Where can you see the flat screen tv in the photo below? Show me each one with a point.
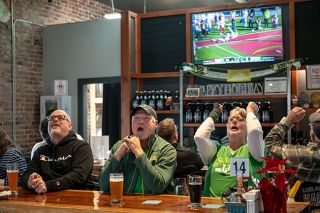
(238, 36)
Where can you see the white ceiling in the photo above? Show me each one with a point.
(161, 5)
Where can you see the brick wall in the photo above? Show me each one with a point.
(29, 59)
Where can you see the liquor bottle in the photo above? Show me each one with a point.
(168, 102)
(240, 188)
(160, 101)
(144, 99)
(135, 100)
(176, 101)
(259, 114)
(189, 113)
(266, 113)
(197, 113)
(152, 100)
(225, 112)
(206, 111)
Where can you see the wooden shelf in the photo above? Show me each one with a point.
(239, 97)
(167, 112)
(155, 75)
(223, 124)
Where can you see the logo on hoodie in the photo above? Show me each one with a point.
(46, 158)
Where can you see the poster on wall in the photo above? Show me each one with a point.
(313, 76)
(60, 87)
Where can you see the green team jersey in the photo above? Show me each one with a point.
(218, 177)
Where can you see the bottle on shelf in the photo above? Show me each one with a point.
(168, 100)
(189, 113)
(266, 113)
(176, 101)
(206, 111)
(160, 101)
(225, 112)
(135, 100)
(144, 99)
(152, 100)
(197, 113)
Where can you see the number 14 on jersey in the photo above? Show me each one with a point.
(239, 167)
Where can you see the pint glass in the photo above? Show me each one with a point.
(13, 175)
(116, 188)
(195, 189)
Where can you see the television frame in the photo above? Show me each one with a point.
(240, 61)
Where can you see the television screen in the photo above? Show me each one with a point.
(238, 36)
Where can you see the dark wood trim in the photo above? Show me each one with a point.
(155, 75)
(292, 37)
(213, 8)
(169, 112)
(125, 72)
(188, 37)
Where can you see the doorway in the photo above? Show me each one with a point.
(99, 108)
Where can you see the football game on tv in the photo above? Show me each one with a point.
(238, 36)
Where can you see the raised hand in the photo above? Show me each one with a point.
(135, 145)
(296, 114)
(122, 150)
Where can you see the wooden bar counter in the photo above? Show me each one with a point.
(94, 201)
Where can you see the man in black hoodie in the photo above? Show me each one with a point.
(64, 162)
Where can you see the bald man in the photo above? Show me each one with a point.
(64, 162)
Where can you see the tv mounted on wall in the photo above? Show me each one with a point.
(238, 36)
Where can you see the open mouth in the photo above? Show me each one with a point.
(140, 129)
(234, 128)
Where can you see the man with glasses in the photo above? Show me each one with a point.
(63, 162)
(145, 159)
(246, 141)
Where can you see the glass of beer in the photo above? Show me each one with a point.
(195, 189)
(13, 175)
(116, 188)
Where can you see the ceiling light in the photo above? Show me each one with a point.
(113, 15)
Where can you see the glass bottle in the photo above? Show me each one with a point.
(160, 101)
(135, 100)
(225, 112)
(206, 111)
(197, 113)
(189, 113)
(176, 101)
(152, 100)
(168, 102)
(266, 113)
(144, 99)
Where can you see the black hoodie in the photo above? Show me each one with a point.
(63, 166)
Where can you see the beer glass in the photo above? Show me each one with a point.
(195, 189)
(116, 188)
(13, 175)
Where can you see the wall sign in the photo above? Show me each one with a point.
(60, 87)
(313, 76)
(276, 85)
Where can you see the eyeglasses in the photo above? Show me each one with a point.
(59, 117)
(237, 119)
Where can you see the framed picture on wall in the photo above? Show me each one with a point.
(313, 77)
